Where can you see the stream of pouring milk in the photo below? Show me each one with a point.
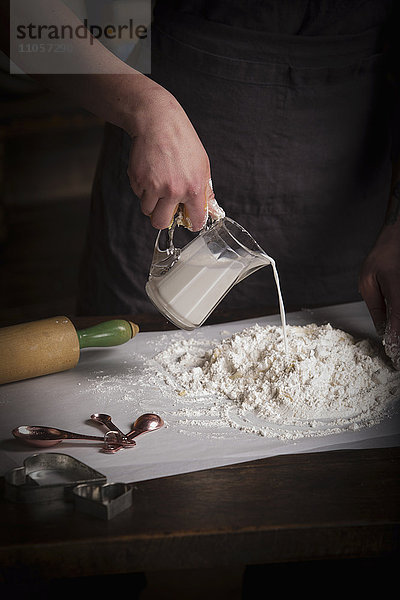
(281, 305)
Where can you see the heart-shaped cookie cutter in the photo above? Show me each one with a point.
(48, 476)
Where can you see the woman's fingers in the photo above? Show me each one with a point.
(391, 338)
(163, 213)
(196, 206)
(385, 314)
(148, 202)
(379, 286)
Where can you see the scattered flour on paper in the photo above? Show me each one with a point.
(327, 383)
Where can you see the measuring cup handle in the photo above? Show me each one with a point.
(163, 260)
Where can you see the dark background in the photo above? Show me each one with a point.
(48, 154)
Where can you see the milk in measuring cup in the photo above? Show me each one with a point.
(191, 290)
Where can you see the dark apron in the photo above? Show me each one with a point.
(296, 128)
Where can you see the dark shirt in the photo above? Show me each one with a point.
(291, 17)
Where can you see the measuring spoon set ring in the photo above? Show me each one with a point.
(113, 440)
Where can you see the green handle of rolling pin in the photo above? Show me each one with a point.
(109, 333)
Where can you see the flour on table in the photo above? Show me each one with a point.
(327, 383)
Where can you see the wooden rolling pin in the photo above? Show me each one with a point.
(53, 345)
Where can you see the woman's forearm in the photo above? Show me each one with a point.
(88, 73)
(118, 99)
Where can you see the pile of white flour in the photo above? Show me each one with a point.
(327, 382)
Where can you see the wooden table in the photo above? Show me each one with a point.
(285, 509)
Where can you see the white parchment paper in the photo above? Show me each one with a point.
(66, 400)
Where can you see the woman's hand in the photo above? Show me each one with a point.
(379, 285)
(168, 164)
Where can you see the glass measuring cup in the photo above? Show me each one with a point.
(187, 284)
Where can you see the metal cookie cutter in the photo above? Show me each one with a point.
(46, 477)
(51, 476)
(103, 501)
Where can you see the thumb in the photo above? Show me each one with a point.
(214, 209)
(391, 340)
(375, 301)
(210, 207)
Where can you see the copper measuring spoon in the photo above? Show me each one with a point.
(37, 435)
(143, 424)
(106, 420)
